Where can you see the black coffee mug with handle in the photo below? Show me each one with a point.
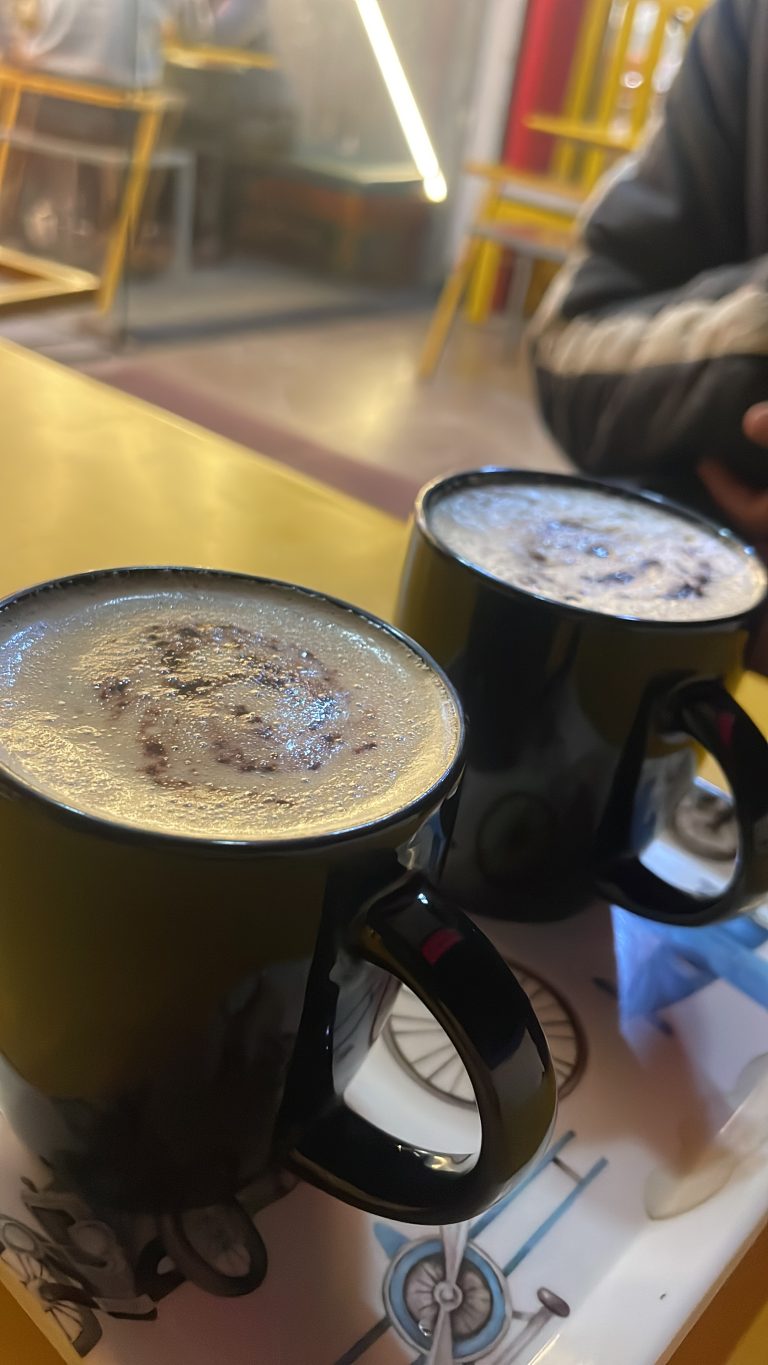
(582, 729)
(181, 1015)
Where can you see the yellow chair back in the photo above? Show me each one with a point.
(624, 60)
(627, 54)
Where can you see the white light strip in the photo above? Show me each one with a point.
(403, 103)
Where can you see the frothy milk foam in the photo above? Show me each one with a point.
(598, 550)
(202, 706)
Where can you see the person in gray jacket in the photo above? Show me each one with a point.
(650, 350)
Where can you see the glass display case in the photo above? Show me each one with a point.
(281, 154)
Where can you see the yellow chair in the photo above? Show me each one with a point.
(629, 50)
(29, 280)
(617, 72)
(207, 57)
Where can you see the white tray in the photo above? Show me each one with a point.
(660, 1047)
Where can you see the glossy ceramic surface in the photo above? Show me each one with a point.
(101, 472)
(581, 730)
(568, 1268)
(179, 1018)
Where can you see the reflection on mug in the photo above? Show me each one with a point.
(595, 637)
(219, 820)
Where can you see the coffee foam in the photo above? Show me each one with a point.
(595, 549)
(201, 706)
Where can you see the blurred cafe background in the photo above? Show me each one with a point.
(316, 226)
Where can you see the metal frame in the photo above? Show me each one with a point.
(59, 280)
(532, 216)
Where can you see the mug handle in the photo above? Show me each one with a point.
(705, 711)
(440, 954)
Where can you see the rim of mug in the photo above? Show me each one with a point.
(122, 830)
(489, 473)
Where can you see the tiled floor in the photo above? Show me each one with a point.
(344, 384)
(350, 387)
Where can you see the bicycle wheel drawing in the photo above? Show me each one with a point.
(705, 823)
(425, 1052)
(412, 1290)
(36, 1263)
(562, 1029)
(216, 1248)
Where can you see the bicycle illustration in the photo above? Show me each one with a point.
(80, 1260)
(424, 1051)
(78, 1264)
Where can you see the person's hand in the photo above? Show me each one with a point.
(756, 424)
(743, 505)
(746, 508)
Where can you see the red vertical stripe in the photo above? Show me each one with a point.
(544, 65)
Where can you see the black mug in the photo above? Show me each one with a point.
(180, 1016)
(581, 735)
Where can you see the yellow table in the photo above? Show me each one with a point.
(91, 478)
